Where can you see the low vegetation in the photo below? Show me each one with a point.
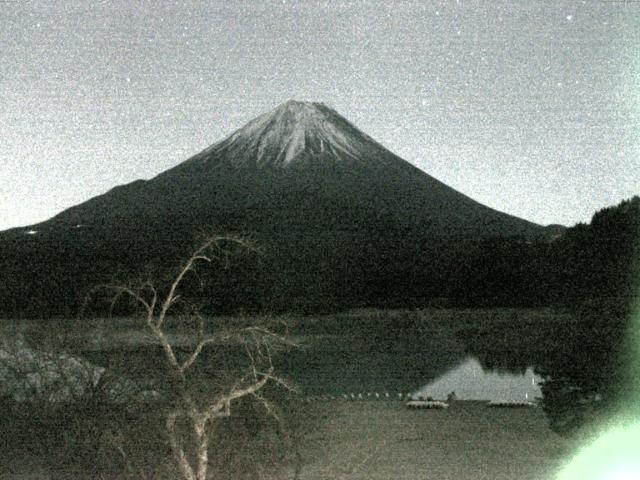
(198, 419)
(213, 381)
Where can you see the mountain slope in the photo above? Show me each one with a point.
(305, 148)
(341, 220)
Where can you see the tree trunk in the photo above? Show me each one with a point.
(200, 427)
(178, 450)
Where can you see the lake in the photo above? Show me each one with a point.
(479, 354)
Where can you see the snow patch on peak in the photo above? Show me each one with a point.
(293, 130)
(296, 145)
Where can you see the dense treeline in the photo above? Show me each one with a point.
(585, 375)
(582, 264)
(588, 376)
(346, 256)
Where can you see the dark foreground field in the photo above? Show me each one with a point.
(385, 440)
(392, 351)
(468, 441)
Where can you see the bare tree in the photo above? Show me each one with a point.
(197, 413)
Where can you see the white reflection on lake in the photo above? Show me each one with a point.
(470, 382)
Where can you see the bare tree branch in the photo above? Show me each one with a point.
(224, 403)
(199, 254)
(258, 342)
(200, 346)
(122, 290)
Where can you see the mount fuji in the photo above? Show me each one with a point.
(341, 220)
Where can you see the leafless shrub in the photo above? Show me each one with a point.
(194, 411)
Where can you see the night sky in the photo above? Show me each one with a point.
(530, 107)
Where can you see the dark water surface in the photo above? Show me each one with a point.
(430, 359)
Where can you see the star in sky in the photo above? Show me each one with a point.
(397, 73)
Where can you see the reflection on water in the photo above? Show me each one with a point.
(471, 382)
(382, 360)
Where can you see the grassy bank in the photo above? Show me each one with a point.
(468, 441)
(383, 440)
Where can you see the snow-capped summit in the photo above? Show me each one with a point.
(295, 131)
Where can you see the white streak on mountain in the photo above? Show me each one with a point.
(293, 131)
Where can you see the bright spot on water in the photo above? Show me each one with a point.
(31, 232)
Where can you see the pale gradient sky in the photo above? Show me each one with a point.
(530, 107)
